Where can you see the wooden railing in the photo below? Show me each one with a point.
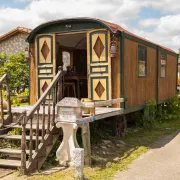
(42, 108)
(4, 85)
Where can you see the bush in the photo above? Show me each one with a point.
(17, 69)
(153, 113)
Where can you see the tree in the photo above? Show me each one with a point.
(18, 71)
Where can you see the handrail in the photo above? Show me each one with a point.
(46, 92)
(47, 121)
(4, 79)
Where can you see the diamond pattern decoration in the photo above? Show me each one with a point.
(45, 86)
(45, 50)
(99, 89)
(98, 47)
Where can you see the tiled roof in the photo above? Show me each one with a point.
(14, 31)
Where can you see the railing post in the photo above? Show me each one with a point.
(1, 110)
(43, 123)
(23, 146)
(30, 140)
(37, 130)
(49, 114)
(54, 104)
(8, 96)
(59, 93)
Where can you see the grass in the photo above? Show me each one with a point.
(139, 141)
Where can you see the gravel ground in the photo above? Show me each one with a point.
(5, 172)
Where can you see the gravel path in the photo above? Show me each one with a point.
(161, 162)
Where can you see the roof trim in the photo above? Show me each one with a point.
(114, 28)
(15, 31)
(41, 26)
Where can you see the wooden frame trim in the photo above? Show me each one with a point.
(106, 41)
(45, 73)
(39, 78)
(107, 85)
(94, 67)
(38, 54)
(177, 73)
(122, 105)
(157, 75)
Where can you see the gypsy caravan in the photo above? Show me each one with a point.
(103, 60)
(83, 58)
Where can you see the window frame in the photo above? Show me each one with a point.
(145, 49)
(165, 58)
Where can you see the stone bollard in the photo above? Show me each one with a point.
(78, 163)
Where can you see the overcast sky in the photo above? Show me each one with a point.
(156, 20)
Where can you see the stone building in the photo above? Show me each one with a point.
(14, 41)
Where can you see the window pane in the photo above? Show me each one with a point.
(163, 65)
(142, 61)
(66, 60)
(163, 71)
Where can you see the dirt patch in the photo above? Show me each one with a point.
(5, 172)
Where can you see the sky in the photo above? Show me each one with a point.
(155, 20)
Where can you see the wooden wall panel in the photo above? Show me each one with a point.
(115, 66)
(33, 76)
(138, 89)
(167, 85)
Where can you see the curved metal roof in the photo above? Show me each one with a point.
(114, 28)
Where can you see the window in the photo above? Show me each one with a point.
(163, 64)
(142, 61)
(66, 60)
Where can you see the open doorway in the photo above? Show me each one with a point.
(71, 53)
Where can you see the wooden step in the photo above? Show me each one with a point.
(14, 125)
(17, 137)
(10, 163)
(13, 151)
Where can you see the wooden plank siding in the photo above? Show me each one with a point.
(167, 85)
(137, 90)
(33, 82)
(115, 66)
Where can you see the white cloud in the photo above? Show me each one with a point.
(166, 33)
(149, 22)
(167, 28)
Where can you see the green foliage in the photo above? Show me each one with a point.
(15, 131)
(15, 101)
(153, 113)
(147, 117)
(17, 69)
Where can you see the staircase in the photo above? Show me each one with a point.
(38, 131)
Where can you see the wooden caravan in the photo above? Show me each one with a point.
(101, 61)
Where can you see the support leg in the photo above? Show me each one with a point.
(86, 144)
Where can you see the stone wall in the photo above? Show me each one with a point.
(14, 44)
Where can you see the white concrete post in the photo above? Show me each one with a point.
(78, 162)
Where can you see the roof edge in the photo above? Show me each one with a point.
(15, 31)
(34, 31)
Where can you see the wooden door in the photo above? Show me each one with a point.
(99, 64)
(46, 61)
